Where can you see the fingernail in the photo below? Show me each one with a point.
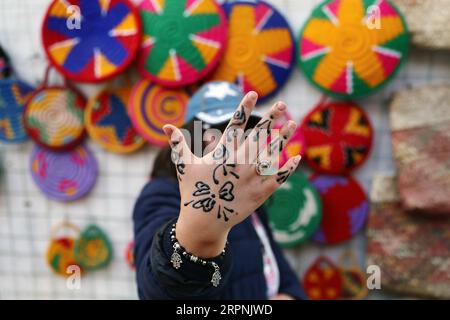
(297, 159)
(281, 106)
(252, 95)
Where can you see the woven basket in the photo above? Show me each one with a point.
(260, 54)
(14, 95)
(101, 45)
(345, 51)
(338, 137)
(64, 176)
(59, 254)
(152, 106)
(183, 40)
(54, 116)
(108, 123)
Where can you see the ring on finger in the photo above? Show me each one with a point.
(264, 168)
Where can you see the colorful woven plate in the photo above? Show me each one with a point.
(215, 102)
(261, 52)
(344, 208)
(13, 97)
(93, 249)
(151, 107)
(294, 211)
(60, 249)
(91, 40)
(108, 124)
(54, 118)
(183, 40)
(338, 137)
(64, 176)
(346, 52)
(323, 280)
(5, 67)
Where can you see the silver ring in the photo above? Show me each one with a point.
(263, 168)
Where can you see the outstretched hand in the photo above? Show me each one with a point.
(229, 183)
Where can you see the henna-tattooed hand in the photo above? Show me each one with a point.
(223, 188)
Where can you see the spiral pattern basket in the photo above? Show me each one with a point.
(13, 97)
(260, 53)
(64, 176)
(338, 137)
(108, 123)
(344, 208)
(5, 67)
(294, 211)
(54, 118)
(93, 249)
(151, 107)
(350, 48)
(91, 40)
(183, 40)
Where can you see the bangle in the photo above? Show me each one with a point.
(177, 261)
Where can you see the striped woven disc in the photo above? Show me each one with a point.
(151, 107)
(54, 118)
(260, 53)
(64, 176)
(183, 40)
(350, 48)
(108, 124)
(91, 40)
(344, 208)
(13, 97)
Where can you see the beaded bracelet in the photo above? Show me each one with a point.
(176, 258)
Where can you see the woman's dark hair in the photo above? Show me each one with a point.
(164, 166)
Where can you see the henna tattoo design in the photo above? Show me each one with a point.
(282, 176)
(226, 168)
(176, 157)
(221, 153)
(277, 143)
(207, 199)
(239, 117)
(266, 124)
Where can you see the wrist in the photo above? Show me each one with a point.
(201, 240)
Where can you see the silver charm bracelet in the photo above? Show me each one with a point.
(178, 250)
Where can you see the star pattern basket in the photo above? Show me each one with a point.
(91, 40)
(338, 137)
(351, 48)
(108, 123)
(183, 40)
(261, 49)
